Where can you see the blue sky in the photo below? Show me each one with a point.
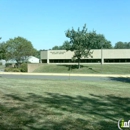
(44, 22)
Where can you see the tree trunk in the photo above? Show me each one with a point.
(79, 63)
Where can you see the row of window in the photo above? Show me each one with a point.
(87, 61)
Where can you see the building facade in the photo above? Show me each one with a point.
(99, 56)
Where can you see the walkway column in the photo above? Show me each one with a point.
(47, 56)
(102, 59)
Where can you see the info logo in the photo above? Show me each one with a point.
(122, 124)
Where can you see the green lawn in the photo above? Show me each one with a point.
(85, 69)
(62, 105)
(2, 67)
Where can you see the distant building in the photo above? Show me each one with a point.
(30, 59)
(3, 62)
(104, 56)
(12, 61)
(33, 59)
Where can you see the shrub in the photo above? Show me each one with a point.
(8, 65)
(16, 70)
(10, 69)
(7, 69)
(23, 67)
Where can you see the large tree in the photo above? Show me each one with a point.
(56, 48)
(120, 45)
(128, 45)
(100, 42)
(80, 42)
(62, 47)
(2, 51)
(19, 49)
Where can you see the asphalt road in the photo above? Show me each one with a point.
(53, 77)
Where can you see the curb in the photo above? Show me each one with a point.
(67, 74)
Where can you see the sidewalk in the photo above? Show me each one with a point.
(68, 74)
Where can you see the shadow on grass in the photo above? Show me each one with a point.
(75, 67)
(72, 67)
(121, 79)
(62, 112)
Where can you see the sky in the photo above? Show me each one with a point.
(44, 22)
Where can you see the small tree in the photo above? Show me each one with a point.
(80, 42)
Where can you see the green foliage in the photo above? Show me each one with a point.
(128, 45)
(37, 53)
(19, 48)
(2, 50)
(23, 67)
(65, 46)
(56, 48)
(122, 45)
(101, 42)
(0, 63)
(17, 67)
(8, 65)
(12, 69)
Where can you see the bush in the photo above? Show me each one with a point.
(8, 65)
(10, 69)
(23, 67)
(16, 70)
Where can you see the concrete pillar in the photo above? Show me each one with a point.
(47, 56)
(102, 59)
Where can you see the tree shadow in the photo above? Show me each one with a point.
(72, 67)
(40, 112)
(120, 79)
(75, 67)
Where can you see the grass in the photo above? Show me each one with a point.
(2, 67)
(85, 69)
(63, 105)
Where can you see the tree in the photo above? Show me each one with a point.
(55, 48)
(101, 42)
(128, 45)
(120, 45)
(19, 49)
(80, 42)
(66, 45)
(37, 53)
(63, 47)
(2, 50)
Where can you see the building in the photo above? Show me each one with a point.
(33, 59)
(3, 62)
(104, 56)
(30, 59)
